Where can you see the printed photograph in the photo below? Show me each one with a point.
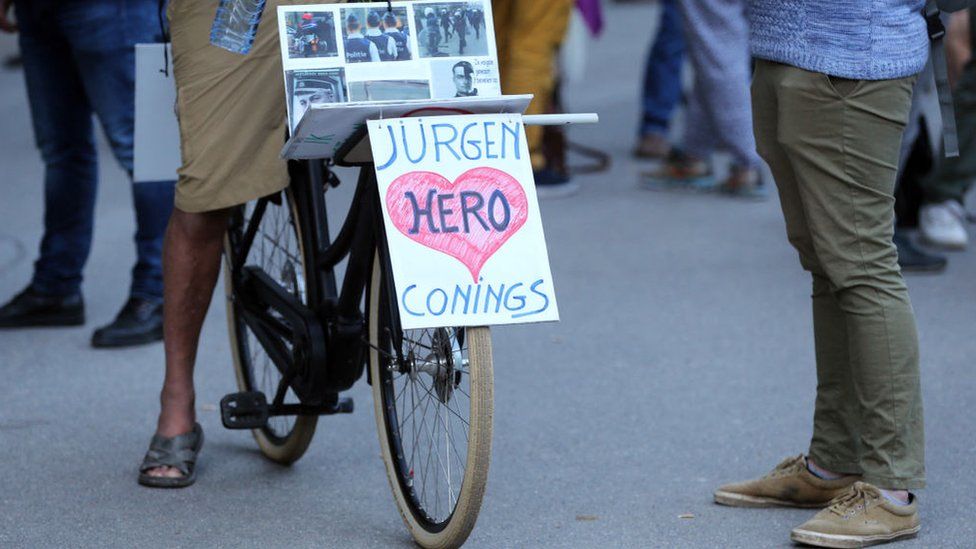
(307, 88)
(464, 78)
(389, 90)
(452, 78)
(311, 34)
(375, 35)
(451, 29)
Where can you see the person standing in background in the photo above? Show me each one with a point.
(391, 27)
(359, 49)
(433, 34)
(942, 218)
(662, 84)
(529, 34)
(461, 30)
(446, 24)
(831, 97)
(386, 45)
(718, 118)
(477, 17)
(918, 156)
(79, 61)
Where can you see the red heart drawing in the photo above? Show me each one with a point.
(468, 219)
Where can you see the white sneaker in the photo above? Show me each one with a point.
(944, 224)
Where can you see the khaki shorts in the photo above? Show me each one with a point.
(231, 110)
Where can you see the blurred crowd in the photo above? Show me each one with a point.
(695, 102)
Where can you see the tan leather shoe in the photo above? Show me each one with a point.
(790, 484)
(860, 517)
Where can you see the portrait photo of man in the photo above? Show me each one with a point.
(464, 79)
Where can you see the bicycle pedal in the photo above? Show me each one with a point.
(345, 405)
(246, 410)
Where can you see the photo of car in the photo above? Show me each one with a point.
(389, 90)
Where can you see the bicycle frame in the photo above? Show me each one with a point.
(329, 339)
(329, 333)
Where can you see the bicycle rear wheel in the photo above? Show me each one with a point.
(434, 417)
(278, 251)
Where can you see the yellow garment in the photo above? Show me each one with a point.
(529, 33)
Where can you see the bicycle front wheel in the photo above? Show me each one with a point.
(433, 412)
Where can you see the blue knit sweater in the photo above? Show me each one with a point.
(860, 39)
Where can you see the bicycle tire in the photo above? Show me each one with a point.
(425, 524)
(278, 445)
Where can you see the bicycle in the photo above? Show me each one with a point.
(295, 336)
(298, 341)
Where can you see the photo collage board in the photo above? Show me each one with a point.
(368, 52)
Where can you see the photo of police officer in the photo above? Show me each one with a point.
(307, 88)
(375, 35)
(311, 34)
(395, 26)
(451, 29)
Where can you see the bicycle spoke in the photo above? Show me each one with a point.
(432, 407)
(417, 344)
(271, 244)
(433, 396)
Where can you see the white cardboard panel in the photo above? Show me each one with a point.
(157, 134)
(325, 128)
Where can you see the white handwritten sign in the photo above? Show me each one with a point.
(462, 221)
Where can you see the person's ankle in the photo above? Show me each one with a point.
(820, 472)
(177, 413)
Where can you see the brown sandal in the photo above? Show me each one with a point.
(179, 452)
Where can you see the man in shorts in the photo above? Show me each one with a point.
(231, 110)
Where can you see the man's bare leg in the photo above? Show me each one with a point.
(191, 264)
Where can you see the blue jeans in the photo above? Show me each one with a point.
(662, 78)
(79, 60)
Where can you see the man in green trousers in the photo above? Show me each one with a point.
(831, 95)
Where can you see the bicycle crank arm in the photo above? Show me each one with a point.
(344, 405)
(305, 367)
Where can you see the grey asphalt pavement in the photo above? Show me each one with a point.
(684, 359)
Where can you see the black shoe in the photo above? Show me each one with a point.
(915, 260)
(140, 321)
(31, 309)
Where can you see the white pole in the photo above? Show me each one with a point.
(560, 119)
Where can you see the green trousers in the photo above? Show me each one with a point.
(833, 146)
(952, 179)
